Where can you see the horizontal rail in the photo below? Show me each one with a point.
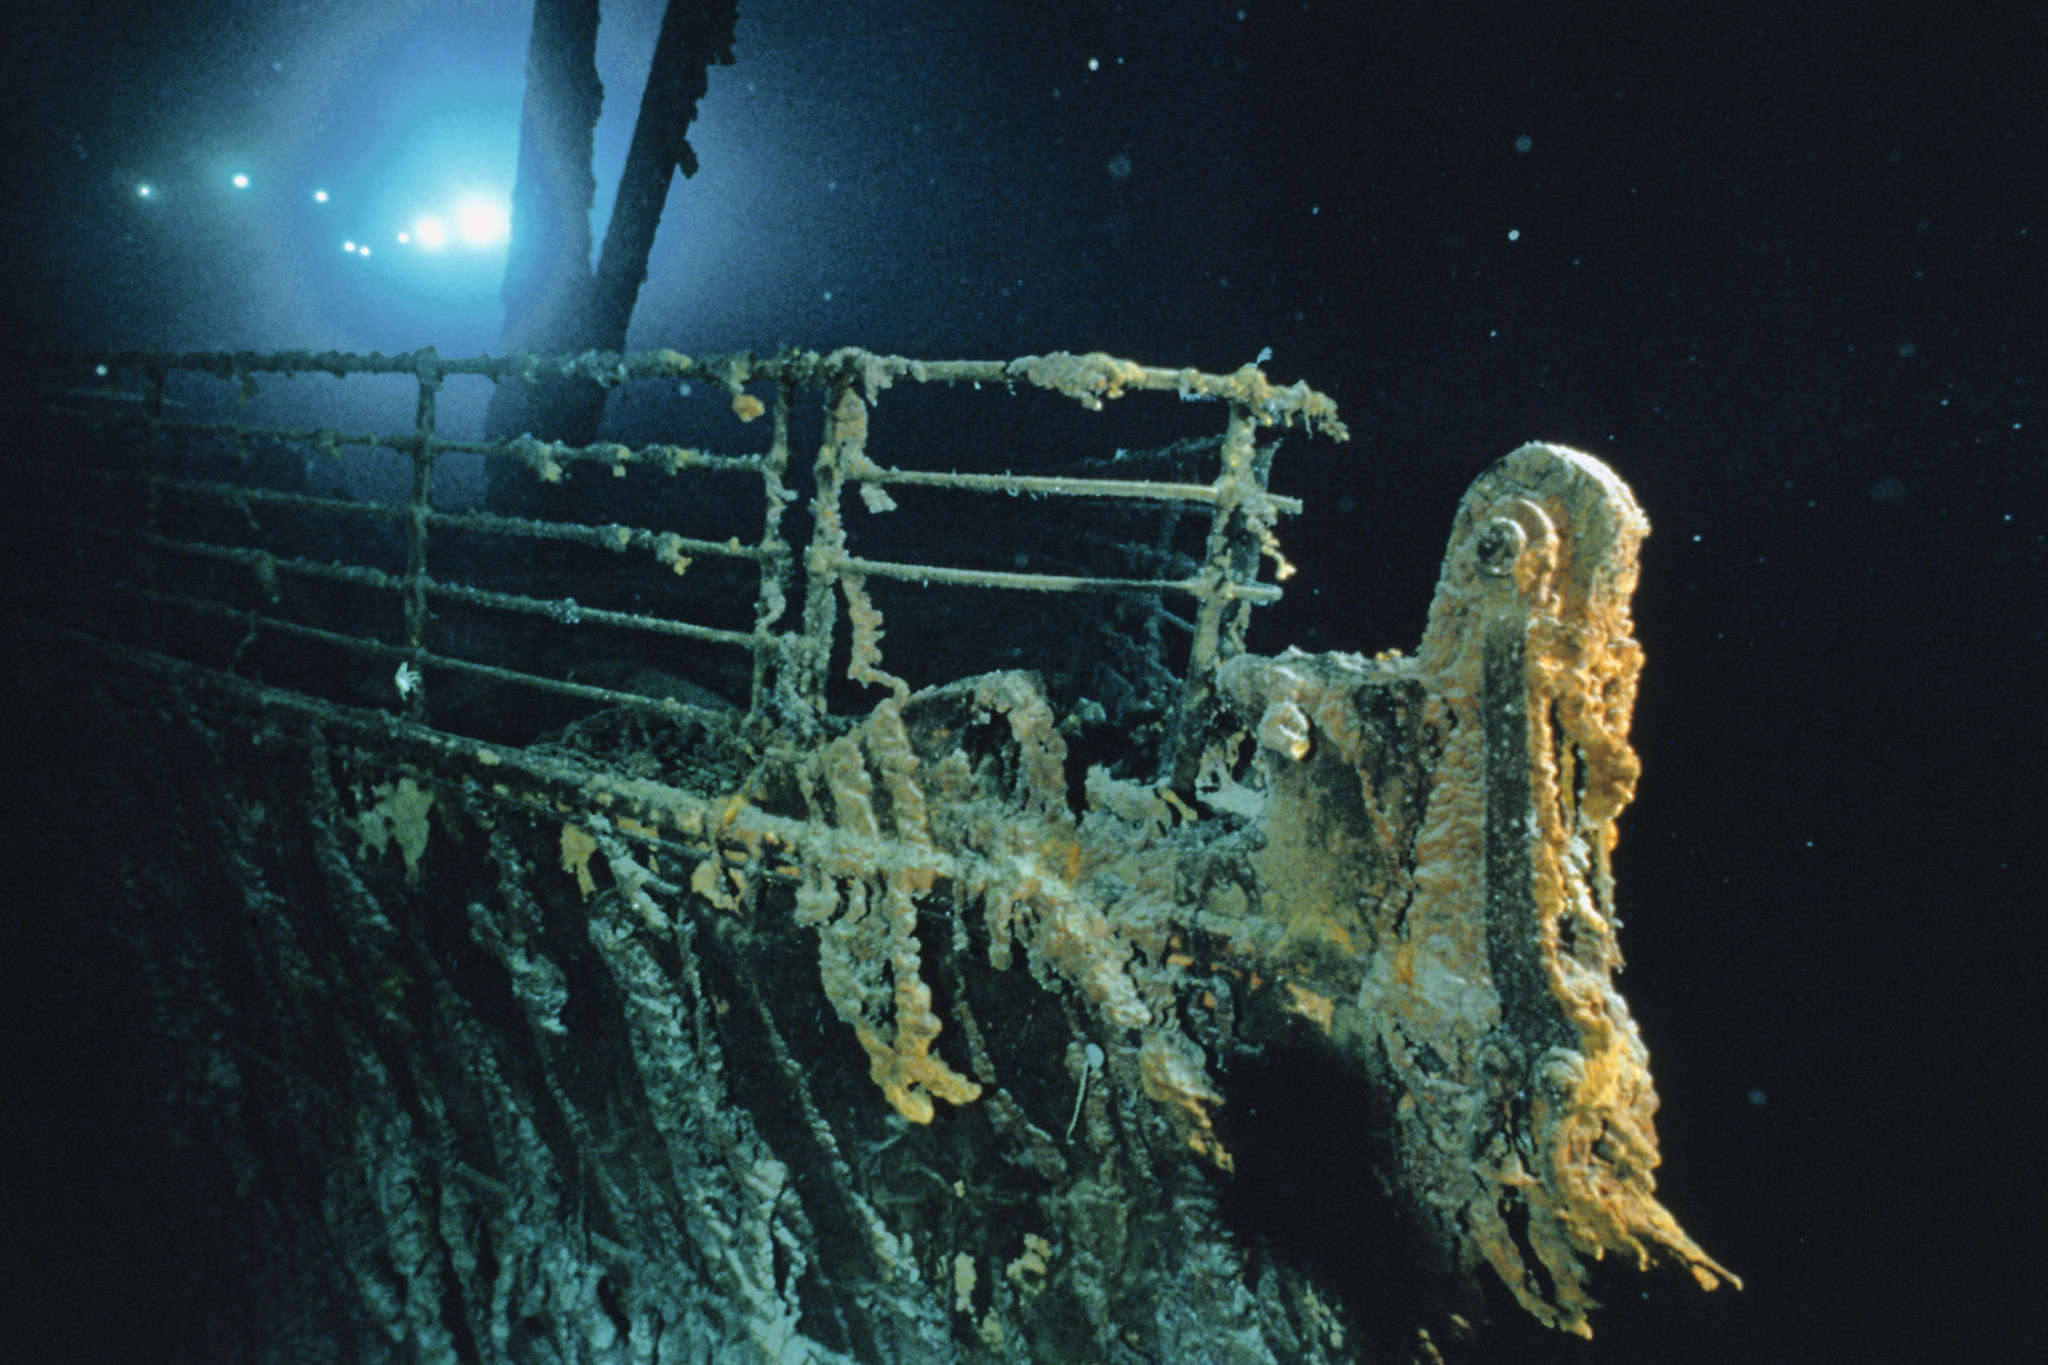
(672, 459)
(1089, 379)
(664, 545)
(1040, 582)
(264, 565)
(569, 612)
(255, 620)
(551, 783)
(330, 441)
(233, 494)
(1056, 486)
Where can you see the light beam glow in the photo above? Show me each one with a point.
(397, 124)
(482, 222)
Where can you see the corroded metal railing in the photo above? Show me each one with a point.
(1390, 871)
(791, 655)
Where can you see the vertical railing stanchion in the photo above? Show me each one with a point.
(846, 427)
(1230, 558)
(419, 508)
(770, 662)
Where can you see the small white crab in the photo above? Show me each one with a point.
(407, 679)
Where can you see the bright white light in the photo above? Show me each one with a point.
(431, 232)
(482, 221)
(349, 247)
(404, 237)
(363, 250)
(143, 191)
(319, 196)
(241, 182)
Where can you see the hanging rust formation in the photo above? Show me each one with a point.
(1050, 918)
(1471, 916)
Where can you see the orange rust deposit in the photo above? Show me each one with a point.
(849, 931)
(1424, 847)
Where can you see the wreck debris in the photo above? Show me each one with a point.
(587, 1053)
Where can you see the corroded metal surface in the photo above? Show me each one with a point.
(1491, 768)
(920, 1033)
(158, 458)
